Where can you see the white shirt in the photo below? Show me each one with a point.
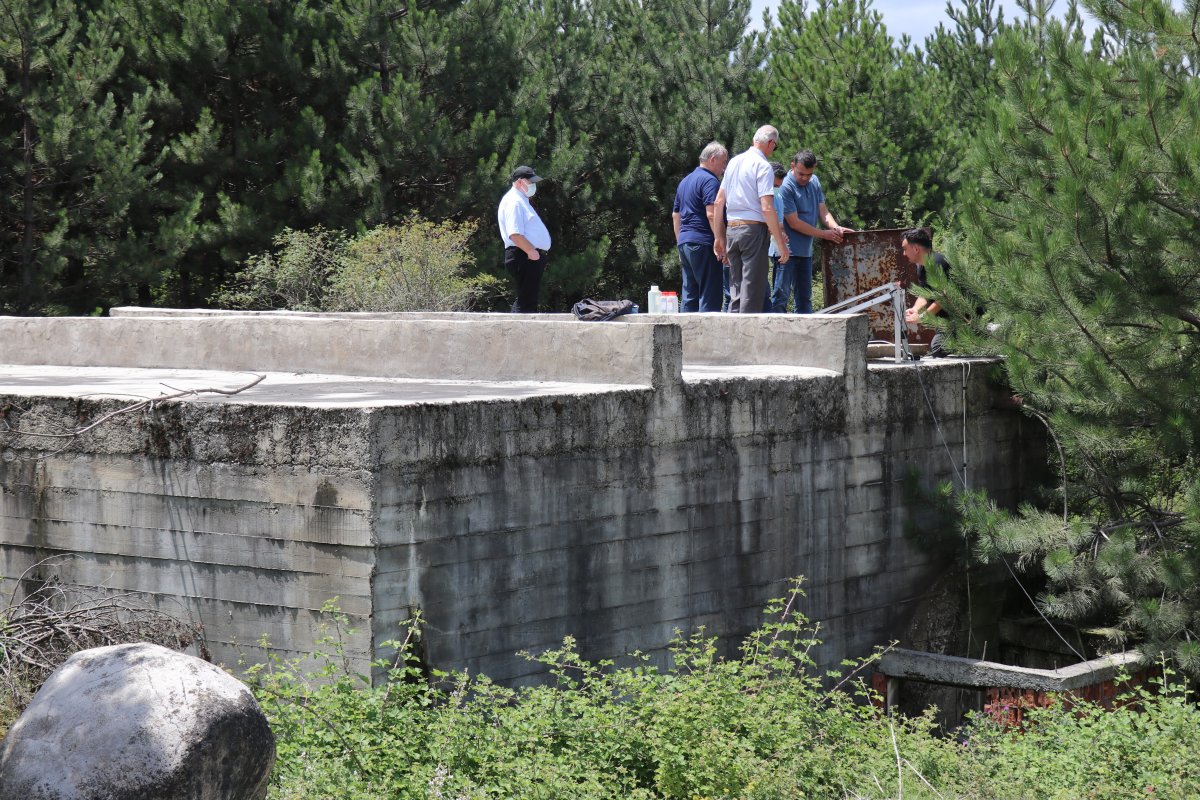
(517, 215)
(747, 178)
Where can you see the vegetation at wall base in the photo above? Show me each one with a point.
(41, 629)
(761, 726)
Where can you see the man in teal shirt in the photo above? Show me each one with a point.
(801, 206)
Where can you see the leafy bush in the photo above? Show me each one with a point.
(761, 726)
(418, 266)
(1139, 749)
(295, 277)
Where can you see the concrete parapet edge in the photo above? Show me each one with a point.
(836, 343)
(470, 350)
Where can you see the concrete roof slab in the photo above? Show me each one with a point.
(278, 388)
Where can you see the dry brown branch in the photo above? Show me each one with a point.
(146, 404)
(42, 630)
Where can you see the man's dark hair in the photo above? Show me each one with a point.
(805, 158)
(779, 169)
(918, 236)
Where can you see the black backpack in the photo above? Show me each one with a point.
(590, 310)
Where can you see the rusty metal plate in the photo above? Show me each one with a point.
(863, 261)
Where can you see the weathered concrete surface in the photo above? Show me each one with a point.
(976, 673)
(613, 504)
(710, 339)
(456, 349)
(138, 722)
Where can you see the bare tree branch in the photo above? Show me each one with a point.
(146, 404)
(42, 630)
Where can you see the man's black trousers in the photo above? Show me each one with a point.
(527, 276)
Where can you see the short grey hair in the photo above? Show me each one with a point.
(767, 133)
(712, 150)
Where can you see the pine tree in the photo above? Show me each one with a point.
(875, 113)
(687, 77)
(241, 116)
(962, 57)
(1084, 246)
(80, 161)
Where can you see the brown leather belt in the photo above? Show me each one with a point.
(737, 223)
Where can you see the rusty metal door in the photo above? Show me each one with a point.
(863, 261)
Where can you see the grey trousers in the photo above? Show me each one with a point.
(746, 247)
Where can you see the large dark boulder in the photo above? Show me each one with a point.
(138, 722)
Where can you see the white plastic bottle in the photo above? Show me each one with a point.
(654, 300)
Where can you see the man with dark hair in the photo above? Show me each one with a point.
(694, 218)
(801, 205)
(526, 240)
(917, 246)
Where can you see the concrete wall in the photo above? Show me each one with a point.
(450, 349)
(677, 481)
(240, 518)
(623, 518)
(708, 339)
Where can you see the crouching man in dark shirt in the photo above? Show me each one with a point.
(918, 248)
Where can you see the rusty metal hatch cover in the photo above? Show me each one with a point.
(863, 261)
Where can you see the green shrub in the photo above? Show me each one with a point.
(762, 726)
(296, 276)
(1141, 748)
(417, 266)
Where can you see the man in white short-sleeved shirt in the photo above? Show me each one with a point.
(746, 203)
(526, 240)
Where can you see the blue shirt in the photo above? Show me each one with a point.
(805, 202)
(773, 251)
(697, 191)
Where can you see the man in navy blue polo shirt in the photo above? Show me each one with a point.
(693, 218)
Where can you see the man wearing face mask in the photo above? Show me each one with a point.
(526, 240)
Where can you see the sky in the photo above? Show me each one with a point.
(917, 18)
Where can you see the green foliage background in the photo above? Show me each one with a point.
(150, 148)
(1081, 239)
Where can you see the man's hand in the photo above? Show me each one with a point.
(784, 253)
(832, 235)
(912, 315)
(526, 246)
(719, 248)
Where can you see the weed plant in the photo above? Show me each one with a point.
(762, 726)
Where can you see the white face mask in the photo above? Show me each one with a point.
(530, 189)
